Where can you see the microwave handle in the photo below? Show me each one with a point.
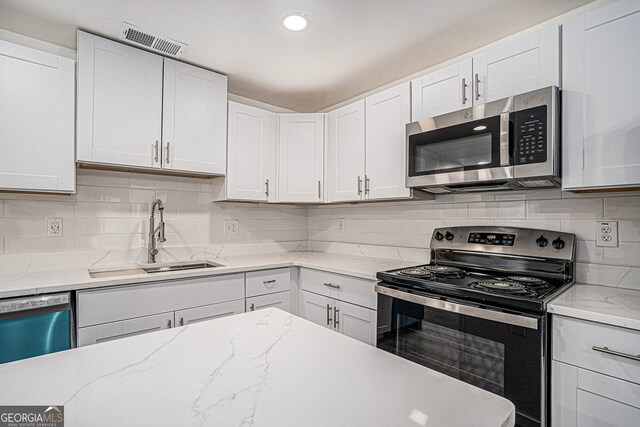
(505, 139)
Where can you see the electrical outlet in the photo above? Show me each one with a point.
(607, 234)
(340, 225)
(54, 227)
(231, 227)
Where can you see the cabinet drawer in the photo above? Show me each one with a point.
(127, 302)
(268, 281)
(208, 312)
(124, 328)
(350, 289)
(574, 339)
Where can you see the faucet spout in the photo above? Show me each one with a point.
(152, 251)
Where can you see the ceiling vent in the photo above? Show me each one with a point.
(148, 40)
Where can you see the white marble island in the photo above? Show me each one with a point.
(265, 368)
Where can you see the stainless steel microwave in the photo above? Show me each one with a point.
(512, 143)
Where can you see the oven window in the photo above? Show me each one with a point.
(474, 150)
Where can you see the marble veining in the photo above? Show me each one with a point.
(263, 368)
(604, 304)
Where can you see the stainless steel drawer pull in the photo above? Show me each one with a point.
(331, 285)
(328, 315)
(182, 321)
(617, 353)
(336, 322)
(269, 281)
(169, 324)
(252, 307)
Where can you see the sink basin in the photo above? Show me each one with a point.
(152, 269)
(180, 267)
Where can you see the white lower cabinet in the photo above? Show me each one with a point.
(281, 300)
(348, 319)
(595, 376)
(208, 312)
(124, 328)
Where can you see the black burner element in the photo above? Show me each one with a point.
(418, 272)
(533, 282)
(503, 286)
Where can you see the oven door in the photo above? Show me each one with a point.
(475, 150)
(499, 352)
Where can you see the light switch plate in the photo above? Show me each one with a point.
(231, 227)
(340, 225)
(607, 234)
(54, 227)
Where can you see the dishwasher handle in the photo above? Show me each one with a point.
(34, 303)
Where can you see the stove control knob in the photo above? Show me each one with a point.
(558, 243)
(542, 242)
(448, 235)
(438, 236)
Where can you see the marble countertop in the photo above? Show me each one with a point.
(75, 278)
(264, 368)
(604, 304)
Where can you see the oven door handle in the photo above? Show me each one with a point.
(467, 310)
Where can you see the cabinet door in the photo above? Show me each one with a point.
(317, 309)
(208, 312)
(528, 62)
(388, 112)
(443, 91)
(356, 322)
(36, 120)
(281, 300)
(119, 103)
(346, 153)
(600, 118)
(301, 157)
(124, 328)
(194, 119)
(249, 146)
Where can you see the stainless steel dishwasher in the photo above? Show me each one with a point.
(35, 325)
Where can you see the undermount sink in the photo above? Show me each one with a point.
(152, 269)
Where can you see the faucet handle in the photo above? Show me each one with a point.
(153, 251)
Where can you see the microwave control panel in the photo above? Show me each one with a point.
(530, 127)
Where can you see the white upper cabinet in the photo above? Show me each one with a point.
(521, 64)
(251, 138)
(600, 118)
(346, 153)
(388, 112)
(37, 110)
(442, 91)
(301, 158)
(139, 109)
(194, 119)
(119, 103)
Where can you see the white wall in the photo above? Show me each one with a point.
(111, 211)
(410, 224)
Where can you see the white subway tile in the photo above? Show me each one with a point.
(584, 229)
(462, 222)
(102, 178)
(23, 227)
(631, 280)
(467, 197)
(626, 253)
(125, 226)
(497, 210)
(541, 224)
(565, 208)
(33, 244)
(83, 226)
(189, 184)
(37, 209)
(153, 182)
(554, 193)
(629, 231)
(622, 207)
(599, 274)
(89, 194)
(587, 251)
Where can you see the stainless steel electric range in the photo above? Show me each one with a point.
(477, 311)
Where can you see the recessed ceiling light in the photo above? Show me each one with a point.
(295, 21)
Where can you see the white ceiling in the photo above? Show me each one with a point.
(351, 47)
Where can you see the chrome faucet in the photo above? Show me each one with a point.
(152, 251)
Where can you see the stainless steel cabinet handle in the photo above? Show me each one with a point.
(617, 353)
(328, 315)
(169, 324)
(252, 307)
(269, 281)
(331, 285)
(182, 321)
(477, 86)
(266, 185)
(464, 91)
(155, 157)
(336, 322)
(168, 151)
(359, 185)
(319, 191)
(366, 184)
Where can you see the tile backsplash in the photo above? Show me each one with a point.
(410, 224)
(110, 212)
